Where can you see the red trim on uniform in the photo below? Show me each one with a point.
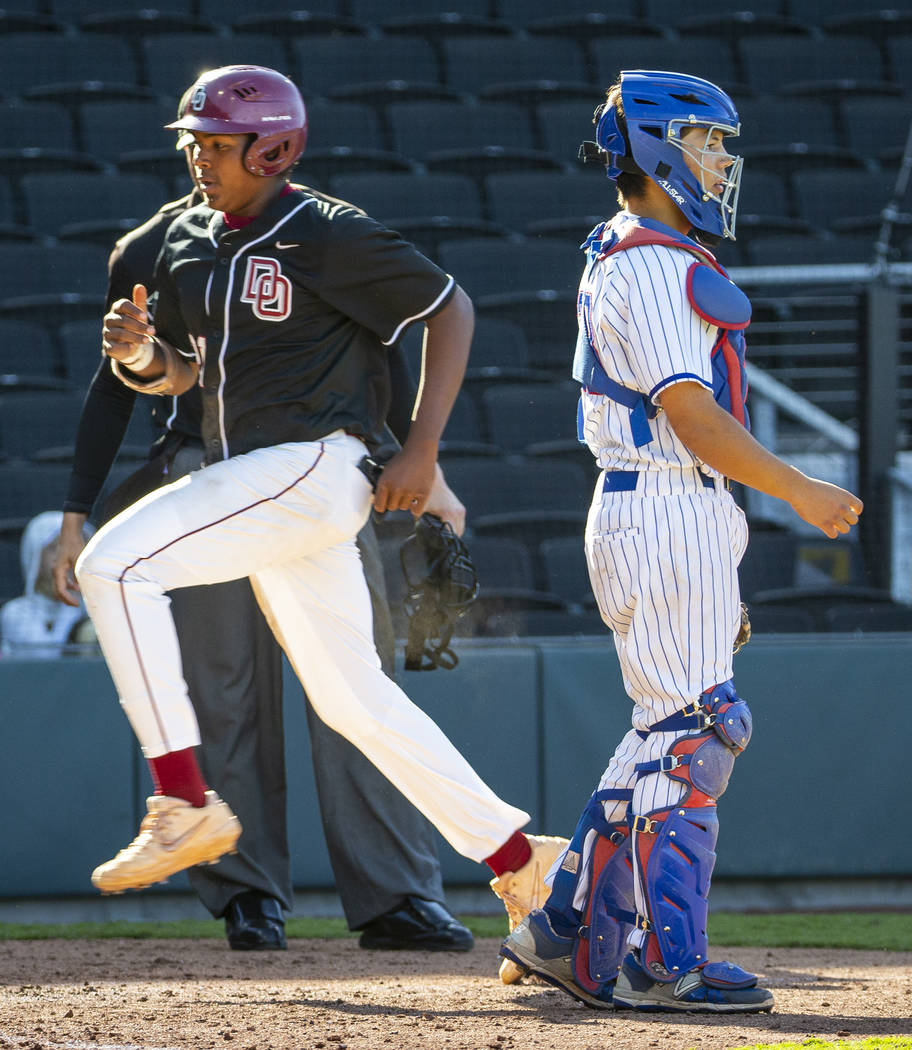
(511, 856)
(147, 557)
(178, 775)
(238, 222)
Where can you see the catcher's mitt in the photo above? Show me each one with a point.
(744, 631)
(441, 583)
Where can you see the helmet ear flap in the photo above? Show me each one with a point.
(608, 134)
(610, 139)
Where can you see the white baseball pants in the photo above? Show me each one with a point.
(663, 563)
(286, 517)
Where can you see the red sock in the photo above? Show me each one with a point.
(511, 856)
(177, 774)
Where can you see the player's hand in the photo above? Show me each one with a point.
(126, 325)
(831, 509)
(69, 546)
(406, 481)
(444, 502)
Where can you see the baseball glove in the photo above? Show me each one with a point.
(744, 631)
(441, 583)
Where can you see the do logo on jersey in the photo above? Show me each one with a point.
(267, 289)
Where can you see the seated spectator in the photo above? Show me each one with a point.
(35, 625)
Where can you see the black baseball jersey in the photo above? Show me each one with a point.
(291, 317)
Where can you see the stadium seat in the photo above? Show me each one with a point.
(76, 9)
(42, 124)
(109, 128)
(438, 26)
(421, 128)
(377, 11)
(229, 11)
(505, 485)
(81, 342)
(521, 13)
(9, 211)
(519, 415)
(765, 120)
(669, 13)
(32, 423)
(763, 193)
(769, 562)
(769, 62)
(30, 269)
(391, 195)
(328, 62)
(490, 266)
(808, 249)
(563, 563)
(49, 198)
(564, 125)
(498, 345)
(781, 619)
(521, 199)
(173, 61)
(11, 581)
(293, 22)
(502, 562)
(463, 426)
(822, 196)
(28, 489)
(703, 57)
(31, 59)
(331, 123)
(873, 126)
(818, 602)
(882, 616)
(26, 349)
(473, 63)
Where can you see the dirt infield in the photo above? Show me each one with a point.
(331, 995)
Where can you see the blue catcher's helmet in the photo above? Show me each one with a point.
(657, 107)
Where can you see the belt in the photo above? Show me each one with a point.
(626, 480)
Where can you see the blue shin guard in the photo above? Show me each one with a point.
(601, 929)
(675, 846)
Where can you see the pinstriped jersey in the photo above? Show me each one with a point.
(290, 317)
(637, 315)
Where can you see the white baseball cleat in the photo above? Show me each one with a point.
(173, 835)
(523, 890)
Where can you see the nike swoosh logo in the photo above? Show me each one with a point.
(181, 839)
(280, 245)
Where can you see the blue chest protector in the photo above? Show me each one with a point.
(713, 297)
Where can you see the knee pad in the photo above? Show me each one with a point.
(601, 927)
(675, 846)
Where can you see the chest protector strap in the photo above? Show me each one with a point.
(713, 297)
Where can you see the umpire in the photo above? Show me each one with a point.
(389, 880)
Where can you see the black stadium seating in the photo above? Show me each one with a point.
(461, 131)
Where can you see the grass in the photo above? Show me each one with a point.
(877, 1042)
(887, 931)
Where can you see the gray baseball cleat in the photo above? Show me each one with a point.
(537, 948)
(716, 988)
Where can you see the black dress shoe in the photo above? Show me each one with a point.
(254, 923)
(417, 925)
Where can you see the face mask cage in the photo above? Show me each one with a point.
(706, 160)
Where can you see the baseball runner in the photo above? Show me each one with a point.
(660, 360)
(391, 885)
(280, 306)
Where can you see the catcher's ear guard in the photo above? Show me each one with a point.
(441, 583)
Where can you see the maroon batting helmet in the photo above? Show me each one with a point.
(248, 100)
